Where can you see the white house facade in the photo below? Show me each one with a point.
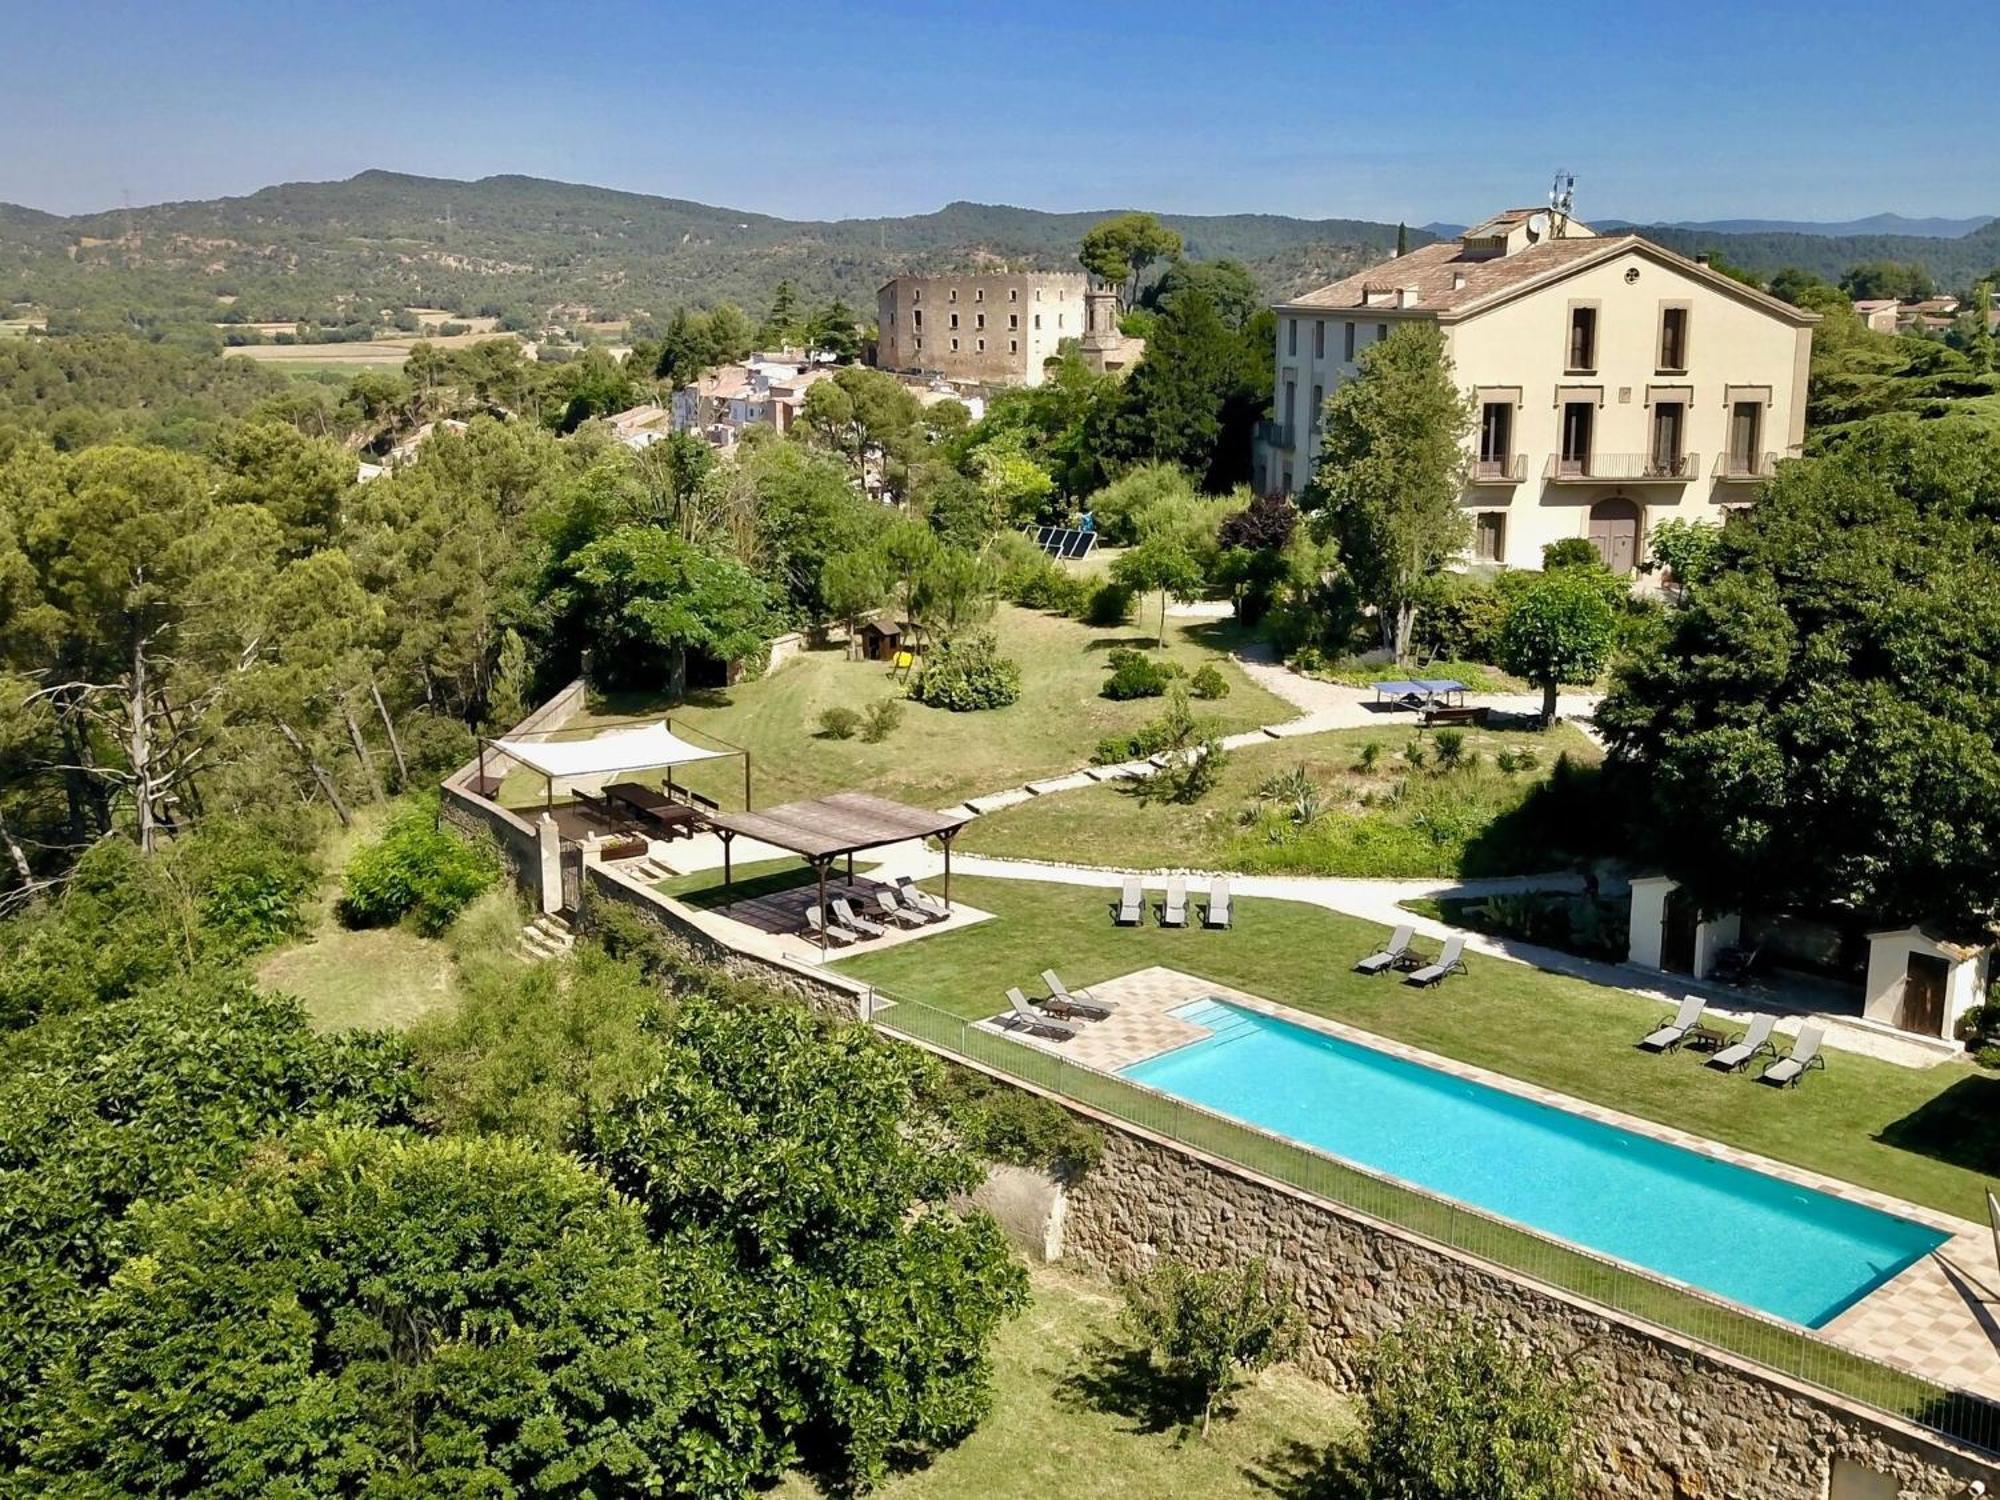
(1615, 384)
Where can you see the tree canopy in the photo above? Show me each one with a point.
(1818, 727)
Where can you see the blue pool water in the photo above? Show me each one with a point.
(1742, 1234)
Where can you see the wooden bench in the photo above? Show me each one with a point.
(1433, 717)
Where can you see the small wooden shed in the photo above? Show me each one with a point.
(881, 639)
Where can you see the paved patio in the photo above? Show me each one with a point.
(1939, 1319)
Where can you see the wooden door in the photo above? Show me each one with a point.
(1677, 933)
(1614, 532)
(1923, 994)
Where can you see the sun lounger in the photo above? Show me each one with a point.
(818, 926)
(921, 900)
(1666, 1037)
(1131, 905)
(1173, 910)
(1451, 961)
(1399, 944)
(1216, 913)
(1736, 965)
(1742, 1048)
(1026, 1016)
(895, 911)
(1805, 1054)
(849, 917)
(1064, 1001)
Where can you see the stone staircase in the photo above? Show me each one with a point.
(647, 870)
(548, 936)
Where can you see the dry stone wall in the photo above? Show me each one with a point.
(1673, 1422)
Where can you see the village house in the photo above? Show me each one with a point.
(1615, 384)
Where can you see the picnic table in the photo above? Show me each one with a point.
(1422, 692)
(650, 805)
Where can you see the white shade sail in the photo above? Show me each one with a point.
(642, 749)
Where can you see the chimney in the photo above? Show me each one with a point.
(1701, 257)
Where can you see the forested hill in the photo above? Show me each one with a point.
(1952, 263)
(521, 245)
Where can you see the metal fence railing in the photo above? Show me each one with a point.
(1778, 1346)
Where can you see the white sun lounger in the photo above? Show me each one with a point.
(1399, 944)
(895, 911)
(1804, 1055)
(1064, 1001)
(818, 926)
(1451, 961)
(1666, 1038)
(1131, 905)
(1025, 1015)
(1739, 1052)
(1216, 913)
(921, 900)
(844, 910)
(1173, 910)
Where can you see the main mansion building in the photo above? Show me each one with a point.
(1615, 384)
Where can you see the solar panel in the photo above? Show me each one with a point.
(1062, 541)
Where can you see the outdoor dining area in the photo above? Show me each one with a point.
(1435, 700)
(616, 783)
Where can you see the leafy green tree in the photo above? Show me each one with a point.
(1980, 346)
(1688, 550)
(1455, 1413)
(1118, 250)
(966, 673)
(835, 330)
(1227, 283)
(134, 1103)
(731, 336)
(1794, 285)
(1887, 278)
(1811, 720)
(1390, 470)
(801, 1182)
(372, 1314)
(1559, 630)
(1017, 485)
(1164, 562)
(416, 870)
(800, 508)
(1055, 423)
(1194, 396)
(854, 585)
(782, 326)
(651, 598)
(300, 481)
(1209, 1329)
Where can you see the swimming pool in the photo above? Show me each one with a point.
(1742, 1234)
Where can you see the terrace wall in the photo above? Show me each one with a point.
(1676, 1421)
(461, 807)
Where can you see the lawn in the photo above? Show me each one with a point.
(1928, 1136)
(1388, 821)
(933, 758)
(1071, 1417)
(384, 976)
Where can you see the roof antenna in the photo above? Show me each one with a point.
(1562, 193)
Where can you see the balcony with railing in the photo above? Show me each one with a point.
(1623, 468)
(1745, 468)
(1500, 470)
(1275, 434)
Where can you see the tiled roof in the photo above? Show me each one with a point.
(1445, 278)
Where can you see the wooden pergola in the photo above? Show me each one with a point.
(821, 830)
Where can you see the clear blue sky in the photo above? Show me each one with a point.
(1431, 109)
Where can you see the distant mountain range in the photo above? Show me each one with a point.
(1921, 229)
(330, 252)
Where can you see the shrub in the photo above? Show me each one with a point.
(253, 891)
(1109, 604)
(1514, 758)
(1137, 675)
(1455, 1413)
(1001, 1123)
(435, 745)
(415, 870)
(1370, 757)
(1570, 552)
(1450, 745)
(1206, 1330)
(968, 673)
(1309, 659)
(1463, 622)
(881, 719)
(1209, 682)
(1414, 755)
(839, 723)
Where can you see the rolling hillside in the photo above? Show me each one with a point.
(520, 245)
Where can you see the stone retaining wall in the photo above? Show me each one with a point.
(831, 994)
(1676, 1421)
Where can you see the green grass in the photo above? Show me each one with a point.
(1927, 1136)
(384, 976)
(1071, 1418)
(933, 758)
(1453, 823)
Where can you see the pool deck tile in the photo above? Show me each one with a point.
(1939, 1318)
